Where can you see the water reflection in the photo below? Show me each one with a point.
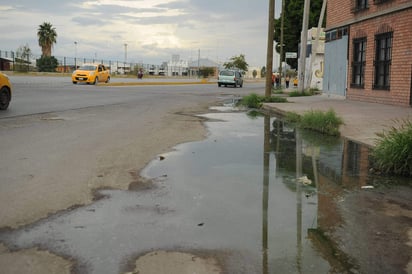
(257, 190)
(329, 165)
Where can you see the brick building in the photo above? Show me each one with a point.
(368, 50)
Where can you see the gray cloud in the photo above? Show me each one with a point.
(221, 29)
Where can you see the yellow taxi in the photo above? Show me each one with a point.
(91, 74)
(5, 91)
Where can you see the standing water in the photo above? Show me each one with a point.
(257, 194)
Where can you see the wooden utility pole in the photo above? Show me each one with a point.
(303, 44)
(269, 57)
(282, 24)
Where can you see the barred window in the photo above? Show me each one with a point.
(358, 62)
(383, 59)
(380, 1)
(336, 34)
(360, 5)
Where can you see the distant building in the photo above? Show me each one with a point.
(177, 67)
(315, 58)
(368, 51)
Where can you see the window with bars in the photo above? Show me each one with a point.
(380, 1)
(383, 59)
(360, 5)
(358, 62)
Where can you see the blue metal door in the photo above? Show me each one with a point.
(336, 64)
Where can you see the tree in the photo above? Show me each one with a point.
(293, 26)
(237, 62)
(254, 73)
(206, 71)
(47, 63)
(22, 59)
(263, 72)
(47, 37)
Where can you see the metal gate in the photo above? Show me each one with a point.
(336, 64)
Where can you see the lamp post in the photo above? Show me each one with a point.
(281, 41)
(75, 55)
(125, 58)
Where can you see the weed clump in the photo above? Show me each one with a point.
(255, 101)
(324, 122)
(309, 92)
(392, 153)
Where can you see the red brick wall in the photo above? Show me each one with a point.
(340, 11)
(400, 78)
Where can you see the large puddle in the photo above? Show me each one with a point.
(256, 191)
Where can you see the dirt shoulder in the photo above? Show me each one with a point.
(124, 147)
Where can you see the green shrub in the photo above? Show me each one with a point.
(47, 64)
(393, 151)
(251, 101)
(309, 92)
(323, 122)
(292, 117)
(296, 93)
(277, 91)
(274, 99)
(255, 101)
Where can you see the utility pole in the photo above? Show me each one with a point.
(198, 64)
(282, 20)
(125, 53)
(269, 57)
(303, 44)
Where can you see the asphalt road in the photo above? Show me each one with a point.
(41, 94)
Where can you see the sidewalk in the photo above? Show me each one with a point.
(362, 120)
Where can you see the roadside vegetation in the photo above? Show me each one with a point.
(255, 101)
(308, 92)
(393, 151)
(323, 122)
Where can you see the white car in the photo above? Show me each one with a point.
(230, 77)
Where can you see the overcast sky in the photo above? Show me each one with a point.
(152, 29)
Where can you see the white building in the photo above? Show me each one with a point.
(315, 62)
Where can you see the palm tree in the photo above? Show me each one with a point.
(47, 37)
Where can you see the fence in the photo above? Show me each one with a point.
(10, 61)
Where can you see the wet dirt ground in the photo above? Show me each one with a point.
(256, 196)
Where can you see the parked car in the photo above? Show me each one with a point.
(91, 74)
(5, 91)
(230, 77)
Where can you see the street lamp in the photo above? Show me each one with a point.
(75, 55)
(125, 58)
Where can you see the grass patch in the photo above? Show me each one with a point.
(324, 122)
(309, 92)
(255, 101)
(277, 91)
(393, 151)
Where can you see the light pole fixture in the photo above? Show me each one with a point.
(125, 52)
(125, 58)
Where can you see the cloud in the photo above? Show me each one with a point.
(152, 29)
